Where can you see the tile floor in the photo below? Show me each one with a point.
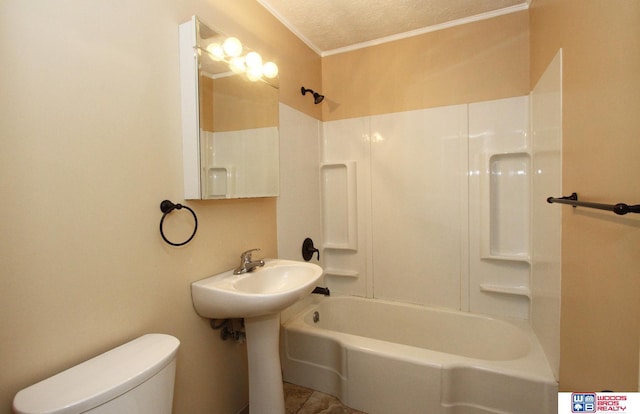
(301, 400)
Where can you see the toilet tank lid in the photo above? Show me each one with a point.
(99, 379)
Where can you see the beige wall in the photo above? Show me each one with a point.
(234, 103)
(240, 104)
(601, 148)
(474, 62)
(90, 145)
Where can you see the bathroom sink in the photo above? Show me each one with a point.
(258, 296)
(266, 290)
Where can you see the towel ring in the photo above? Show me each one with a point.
(167, 207)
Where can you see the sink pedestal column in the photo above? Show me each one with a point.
(266, 395)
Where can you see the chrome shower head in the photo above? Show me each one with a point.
(317, 98)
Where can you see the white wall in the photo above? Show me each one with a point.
(546, 118)
(419, 205)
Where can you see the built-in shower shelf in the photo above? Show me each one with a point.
(507, 290)
(339, 246)
(523, 258)
(341, 273)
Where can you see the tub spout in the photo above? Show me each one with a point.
(322, 291)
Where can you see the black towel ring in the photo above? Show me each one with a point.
(167, 207)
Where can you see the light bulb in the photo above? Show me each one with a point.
(270, 70)
(253, 60)
(254, 73)
(232, 47)
(237, 65)
(216, 51)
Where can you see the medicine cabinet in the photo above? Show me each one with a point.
(229, 121)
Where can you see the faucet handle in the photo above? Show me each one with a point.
(246, 256)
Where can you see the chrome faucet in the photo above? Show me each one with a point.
(246, 264)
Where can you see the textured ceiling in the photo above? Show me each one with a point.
(327, 25)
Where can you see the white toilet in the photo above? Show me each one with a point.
(134, 378)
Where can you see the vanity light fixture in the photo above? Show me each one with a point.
(230, 52)
(317, 98)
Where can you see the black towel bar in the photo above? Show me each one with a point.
(620, 208)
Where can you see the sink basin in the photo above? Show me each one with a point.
(266, 290)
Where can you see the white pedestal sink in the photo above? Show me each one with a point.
(258, 297)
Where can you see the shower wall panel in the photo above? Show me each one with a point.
(298, 207)
(419, 199)
(345, 170)
(546, 118)
(499, 207)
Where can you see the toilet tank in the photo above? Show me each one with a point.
(134, 378)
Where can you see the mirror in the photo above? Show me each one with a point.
(229, 122)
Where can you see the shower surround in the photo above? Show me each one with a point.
(435, 208)
(442, 192)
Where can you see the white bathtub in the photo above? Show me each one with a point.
(385, 357)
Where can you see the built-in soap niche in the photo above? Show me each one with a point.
(218, 182)
(339, 222)
(507, 211)
(339, 205)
